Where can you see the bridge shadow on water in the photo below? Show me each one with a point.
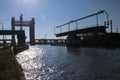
(73, 50)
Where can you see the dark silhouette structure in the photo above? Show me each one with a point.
(95, 36)
(21, 23)
(21, 43)
(20, 36)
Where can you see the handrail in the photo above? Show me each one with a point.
(99, 12)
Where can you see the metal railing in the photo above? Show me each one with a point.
(76, 21)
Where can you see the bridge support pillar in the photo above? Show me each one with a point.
(73, 41)
(32, 32)
(21, 38)
(13, 30)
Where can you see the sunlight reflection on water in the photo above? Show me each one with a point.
(26, 58)
(44, 62)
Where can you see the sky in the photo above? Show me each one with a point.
(51, 13)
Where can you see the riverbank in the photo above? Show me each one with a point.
(10, 69)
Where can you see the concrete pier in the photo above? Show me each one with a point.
(73, 40)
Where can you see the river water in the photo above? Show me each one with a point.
(45, 62)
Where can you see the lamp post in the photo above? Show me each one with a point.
(107, 17)
(2, 29)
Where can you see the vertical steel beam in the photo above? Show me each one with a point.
(13, 30)
(32, 32)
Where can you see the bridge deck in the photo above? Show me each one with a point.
(9, 32)
(5, 39)
(96, 29)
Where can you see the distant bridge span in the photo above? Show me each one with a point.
(51, 41)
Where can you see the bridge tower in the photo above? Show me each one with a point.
(21, 23)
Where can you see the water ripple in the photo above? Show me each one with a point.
(44, 62)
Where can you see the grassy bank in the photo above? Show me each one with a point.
(9, 67)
